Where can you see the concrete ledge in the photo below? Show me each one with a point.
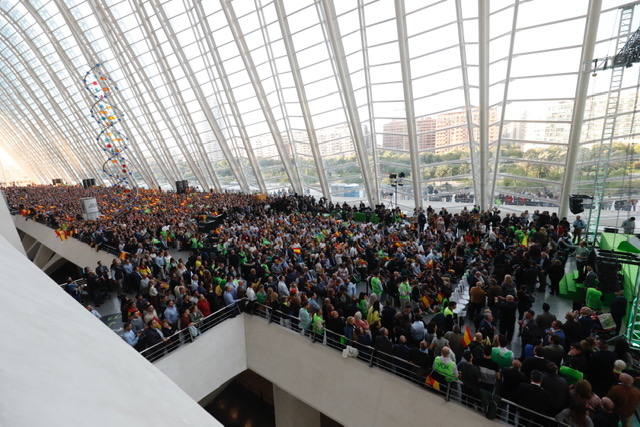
(71, 249)
(345, 390)
(211, 360)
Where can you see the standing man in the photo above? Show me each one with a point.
(618, 309)
(422, 221)
(507, 308)
(578, 226)
(476, 302)
(629, 225)
(582, 259)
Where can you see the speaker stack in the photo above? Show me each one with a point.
(90, 182)
(577, 203)
(56, 181)
(182, 186)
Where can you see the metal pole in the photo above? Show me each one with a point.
(582, 86)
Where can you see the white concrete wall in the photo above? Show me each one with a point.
(7, 228)
(346, 390)
(292, 412)
(72, 249)
(212, 359)
(60, 366)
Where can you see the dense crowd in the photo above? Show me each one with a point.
(385, 285)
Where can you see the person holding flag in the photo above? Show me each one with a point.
(444, 371)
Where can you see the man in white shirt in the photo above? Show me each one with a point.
(283, 290)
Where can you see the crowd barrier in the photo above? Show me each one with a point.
(484, 402)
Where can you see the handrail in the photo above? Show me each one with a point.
(506, 410)
(189, 334)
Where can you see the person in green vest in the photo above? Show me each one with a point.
(404, 291)
(501, 354)
(317, 324)
(449, 315)
(261, 295)
(363, 305)
(376, 286)
(195, 243)
(444, 367)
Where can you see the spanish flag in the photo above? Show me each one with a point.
(123, 255)
(440, 297)
(432, 383)
(296, 250)
(467, 338)
(426, 301)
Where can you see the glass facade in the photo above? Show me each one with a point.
(473, 98)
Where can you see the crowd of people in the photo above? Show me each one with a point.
(385, 285)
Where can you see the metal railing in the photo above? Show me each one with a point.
(480, 400)
(191, 332)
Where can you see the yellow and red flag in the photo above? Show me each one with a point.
(426, 301)
(432, 383)
(467, 337)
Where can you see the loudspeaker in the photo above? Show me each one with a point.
(575, 204)
(56, 181)
(181, 186)
(89, 182)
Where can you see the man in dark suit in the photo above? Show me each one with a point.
(557, 387)
(510, 380)
(532, 396)
(600, 368)
(618, 309)
(537, 362)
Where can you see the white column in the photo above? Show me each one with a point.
(505, 93)
(467, 97)
(483, 27)
(582, 86)
(405, 64)
(302, 98)
(351, 107)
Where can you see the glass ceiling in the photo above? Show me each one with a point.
(322, 97)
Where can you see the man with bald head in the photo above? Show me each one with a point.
(444, 367)
(625, 398)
